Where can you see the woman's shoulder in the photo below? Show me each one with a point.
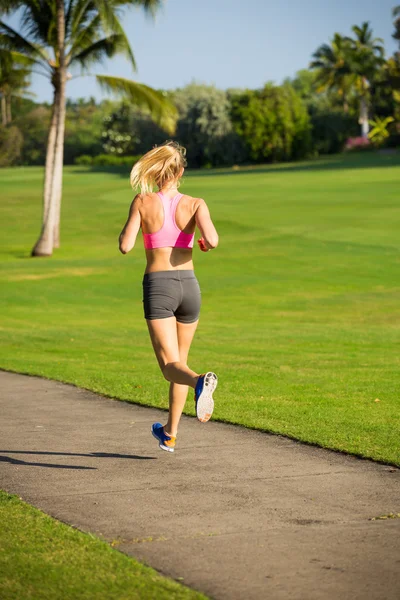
(146, 200)
(192, 200)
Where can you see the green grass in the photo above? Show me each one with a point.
(43, 558)
(301, 300)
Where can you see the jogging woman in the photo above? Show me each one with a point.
(171, 293)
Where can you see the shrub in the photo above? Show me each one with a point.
(393, 141)
(107, 160)
(331, 128)
(11, 141)
(84, 160)
(273, 123)
(205, 128)
(82, 130)
(358, 143)
(380, 131)
(35, 127)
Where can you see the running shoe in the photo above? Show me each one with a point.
(166, 442)
(203, 396)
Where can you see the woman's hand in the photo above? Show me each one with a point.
(209, 236)
(202, 245)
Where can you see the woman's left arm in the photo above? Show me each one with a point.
(129, 233)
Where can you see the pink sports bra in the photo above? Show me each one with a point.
(169, 235)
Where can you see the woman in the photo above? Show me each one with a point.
(171, 293)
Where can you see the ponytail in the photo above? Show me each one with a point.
(163, 163)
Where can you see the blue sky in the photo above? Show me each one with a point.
(230, 43)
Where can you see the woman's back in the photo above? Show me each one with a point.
(159, 214)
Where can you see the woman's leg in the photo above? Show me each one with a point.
(164, 337)
(177, 392)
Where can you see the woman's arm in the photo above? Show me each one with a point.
(129, 233)
(204, 223)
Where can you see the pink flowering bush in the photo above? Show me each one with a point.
(358, 143)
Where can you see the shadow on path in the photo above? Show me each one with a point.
(15, 461)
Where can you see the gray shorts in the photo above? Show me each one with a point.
(171, 294)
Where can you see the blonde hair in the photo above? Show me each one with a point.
(163, 163)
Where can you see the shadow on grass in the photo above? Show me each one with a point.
(16, 461)
(365, 160)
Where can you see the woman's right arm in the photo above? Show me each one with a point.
(129, 233)
(204, 223)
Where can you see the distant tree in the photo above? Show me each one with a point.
(56, 35)
(118, 130)
(14, 81)
(11, 141)
(351, 65)
(34, 125)
(366, 59)
(204, 126)
(273, 123)
(305, 84)
(331, 126)
(393, 64)
(332, 68)
(83, 127)
(396, 16)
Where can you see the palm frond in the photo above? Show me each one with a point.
(324, 53)
(125, 46)
(38, 21)
(149, 6)
(161, 109)
(85, 36)
(8, 6)
(108, 12)
(96, 52)
(22, 59)
(79, 14)
(15, 72)
(13, 41)
(90, 18)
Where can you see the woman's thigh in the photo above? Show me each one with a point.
(164, 337)
(185, 333)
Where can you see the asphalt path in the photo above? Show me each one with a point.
(234, 513)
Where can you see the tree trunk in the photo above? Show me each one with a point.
(44, 245)
(55, 146)
(8, 109)
(364, 117)
(60, 140)
(3, 110)
(59, 154)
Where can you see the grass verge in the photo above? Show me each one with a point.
(43, 558)
(300, 314)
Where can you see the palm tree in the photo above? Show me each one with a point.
(393, 64)
(14, 80)
(396, 16)
(331, 62)
(365, 59)
(57, 35)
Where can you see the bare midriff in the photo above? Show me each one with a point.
(168, 259)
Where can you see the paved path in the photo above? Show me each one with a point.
(235, 513)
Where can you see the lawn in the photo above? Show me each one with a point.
(301, 300)
(41, 558)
